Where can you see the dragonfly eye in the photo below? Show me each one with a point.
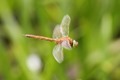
(75, 43)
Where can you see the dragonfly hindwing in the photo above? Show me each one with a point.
(57, 33)
(58, 53)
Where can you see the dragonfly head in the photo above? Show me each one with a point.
(75, 43)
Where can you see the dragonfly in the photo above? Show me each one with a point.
(60, 37)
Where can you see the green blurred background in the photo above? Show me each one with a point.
(95, 24)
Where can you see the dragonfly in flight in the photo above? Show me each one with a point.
(60, 37)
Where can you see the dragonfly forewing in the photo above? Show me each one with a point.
(65, 25)
(66, 45)
(58, 53)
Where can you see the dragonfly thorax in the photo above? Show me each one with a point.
(60, 40)
(72, 43)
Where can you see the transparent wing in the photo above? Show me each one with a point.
(65, 25)
(56, 32)
(58, 53)
(66, 45)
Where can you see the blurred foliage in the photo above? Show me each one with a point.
(95, 24)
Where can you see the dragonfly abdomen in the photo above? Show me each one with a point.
(39, 37)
